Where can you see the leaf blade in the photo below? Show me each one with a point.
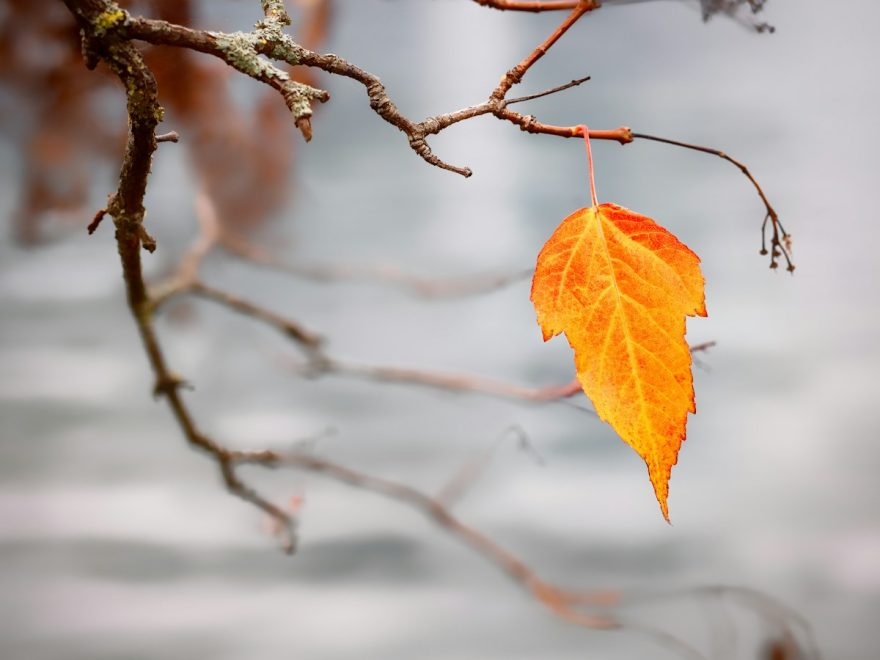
(619, 286)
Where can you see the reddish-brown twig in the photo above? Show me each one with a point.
(96, 221)
(515, 75)
(563, 602)
(533, 6)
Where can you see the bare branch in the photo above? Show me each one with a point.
(563, 602)
(304, 337)
(187, 281)
(705, 346)
(423, 287)
(445, 381)
(242, 50)
(548, 92)
(213, 235)
(515, 75)
(793, 625)
(322, 363)
(780, 239)
(529, 124)
(171, 136)
(464, 479)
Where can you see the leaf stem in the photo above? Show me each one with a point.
(586, 133)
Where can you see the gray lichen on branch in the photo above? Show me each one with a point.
(242, 51)
(239, 50)
(275, 11)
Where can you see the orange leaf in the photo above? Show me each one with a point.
(619, 286)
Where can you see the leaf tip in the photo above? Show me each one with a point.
(659, 476)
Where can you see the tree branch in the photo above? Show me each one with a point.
(548, 92)
(242, 50)
(515, 75)
(563, 602)
(780, 240)
(534, 6)
(445, 381)
(424, 287)
(96, 18)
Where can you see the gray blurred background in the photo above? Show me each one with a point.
(116, 541)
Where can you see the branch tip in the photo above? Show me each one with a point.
(147, 241)
(304, 125)
(169, 382)
(170, 136)
(547, 92)
(96, 221)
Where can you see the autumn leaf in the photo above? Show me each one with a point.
(619, 286)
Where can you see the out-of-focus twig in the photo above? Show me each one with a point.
(319, 362)
(444, 381)
(564, 603)
(462, 481)
(423, 287)
(703, 347)
(794, 627)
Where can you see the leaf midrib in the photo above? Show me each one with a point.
(624, 323)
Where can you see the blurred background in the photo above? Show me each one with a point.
(117, 541)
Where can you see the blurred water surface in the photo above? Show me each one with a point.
(118, 542)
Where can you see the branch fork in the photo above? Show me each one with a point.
(244, 50)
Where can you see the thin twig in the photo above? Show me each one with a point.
(462, 481)
(322, 363)
(515, 75)
(759, 602)
(780, 239)
(703, 347)
(96, 221)
(302, 336)
(447, 381)
(534, 6)
(667, 639)
(424, 287)
(548, 92)
(561, 601)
